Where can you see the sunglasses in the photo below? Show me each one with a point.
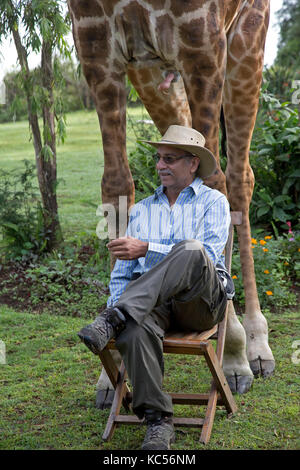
(168, 160)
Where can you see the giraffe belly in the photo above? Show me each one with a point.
(139, 39)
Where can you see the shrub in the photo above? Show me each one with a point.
(275, 162)
(68, 282)
(278, 80)
(142, 165)
(71, 280)
(143, 170)
(21, 216)
(277, 266)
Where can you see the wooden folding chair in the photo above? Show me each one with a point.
(181, 343)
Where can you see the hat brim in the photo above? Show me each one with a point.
(208, 164)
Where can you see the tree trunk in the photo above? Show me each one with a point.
(48, 170)
(46, 164)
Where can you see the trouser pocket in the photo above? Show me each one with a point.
(200, 313)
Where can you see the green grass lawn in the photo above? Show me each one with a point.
(79, 165)
(48, 392)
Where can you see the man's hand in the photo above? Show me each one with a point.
(128, 248)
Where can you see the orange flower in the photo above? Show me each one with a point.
(268, 237)
(298, 249)
(286, 263)
(266, 271)
(269, 292)
(262, 242)
(265, 249)
(234, 277)
(253, 241)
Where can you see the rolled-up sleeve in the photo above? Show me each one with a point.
(216, 228)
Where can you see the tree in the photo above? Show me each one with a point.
(289, 44)
(40, 26)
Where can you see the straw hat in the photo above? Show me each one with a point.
(192, 141)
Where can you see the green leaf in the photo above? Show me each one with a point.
(289, 182)
(295, 174)
(262, 211)
(293, 130)
(281, 198)
(292, 138)
(46, 29)
(11, 225)
(283, 157)
(270, 139)
(265, 197)
(264, 151)
(61, 130)
(47, 152)
(280, 214)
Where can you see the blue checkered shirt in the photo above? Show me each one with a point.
(200, 213)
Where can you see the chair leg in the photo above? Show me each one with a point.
(209, 414)
(120, 392)
(219, 377)
(113, 373)
(220, 384)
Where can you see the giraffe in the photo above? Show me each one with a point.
(186, 59)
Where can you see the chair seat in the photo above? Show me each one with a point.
(177, 342)
(190, 339)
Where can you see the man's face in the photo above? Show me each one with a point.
(180, 173)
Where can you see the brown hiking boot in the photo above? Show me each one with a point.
(106, 326)
(160, 433)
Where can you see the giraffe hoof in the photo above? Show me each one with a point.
(240, 383)
(262, 367)
(104, 398)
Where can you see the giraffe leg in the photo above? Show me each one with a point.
(105, 75)
(204, 81)
(111, 108)
(235, 363)
(203, 72)
(110, 102)
(165, 108)
(240, 101)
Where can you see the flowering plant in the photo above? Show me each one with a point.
(277, 269)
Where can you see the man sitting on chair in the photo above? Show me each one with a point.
(169, 270)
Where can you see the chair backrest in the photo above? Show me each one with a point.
(236, 219)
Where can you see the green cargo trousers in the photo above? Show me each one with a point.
(183, 291)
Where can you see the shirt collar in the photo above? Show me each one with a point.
(195, 186)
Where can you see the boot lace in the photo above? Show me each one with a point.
(155, 430)
(102, 326)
